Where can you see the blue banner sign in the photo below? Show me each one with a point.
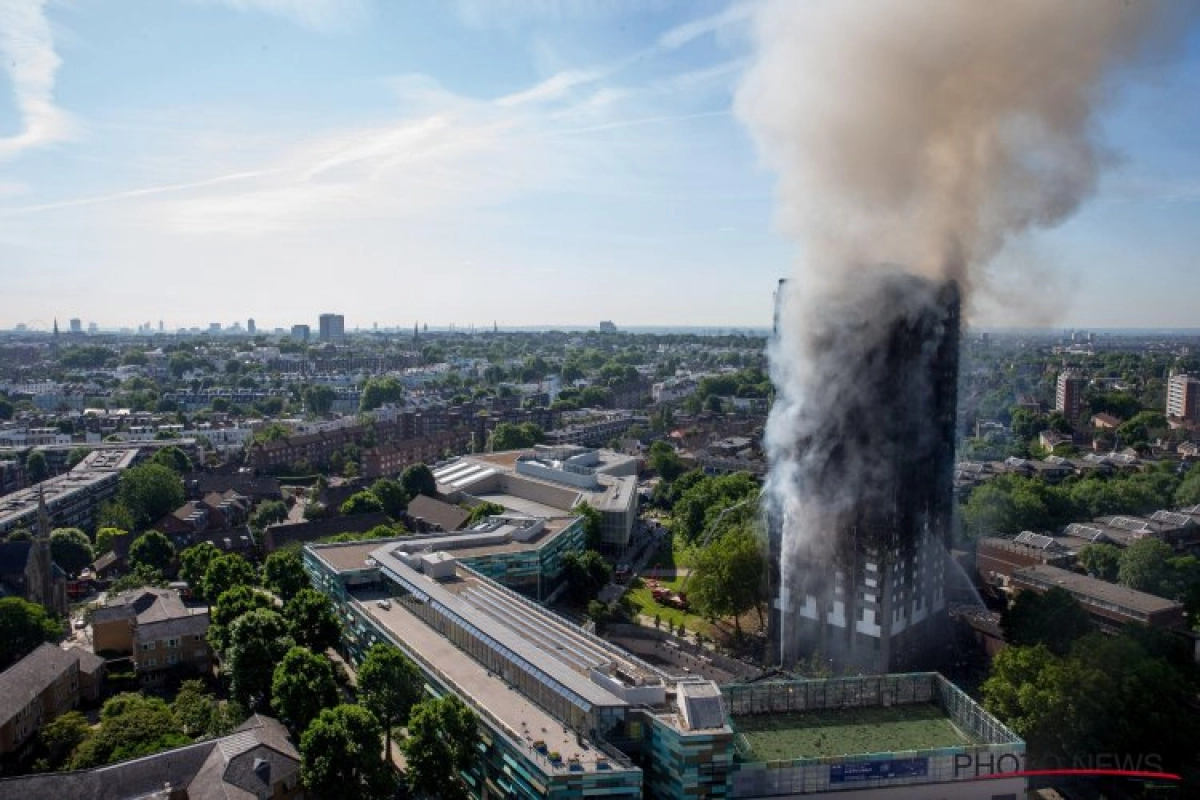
(852, 771)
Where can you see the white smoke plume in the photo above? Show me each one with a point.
(912, 138)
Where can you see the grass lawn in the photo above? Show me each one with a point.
(779, 737)
(639, 595)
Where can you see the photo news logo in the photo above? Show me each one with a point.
(988, 766)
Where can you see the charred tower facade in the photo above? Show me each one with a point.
(861, 532)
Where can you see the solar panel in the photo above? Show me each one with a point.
(1035, 540)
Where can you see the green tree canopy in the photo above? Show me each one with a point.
(319, 398)
(194, 708)
(312, 620)
(1146, 567)
(1054, 619)
(36, 467)
(229, 607)
(23, 626)
(378, 391)
(150, 491)
(706, 502)
(59, 737)
(268, 513)
(443, 736)
(302, 686)
(665, 461)
(340, 755)
(727, 578)
(71, 549)
(389, 685)
(283, 573)
(131, 726)
(113, 514)
(258, 640)
(418, 479)
(173, 459)
(593, 525)
(152, 550)
(392, 495)
(483, 511)
(585, 574)
(1101, 561)
(193, 563)
(226, 571)
(361, 503)
(105, 537)
(515, 436)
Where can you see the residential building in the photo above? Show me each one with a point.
(156, 630)
(12, 476)
(42, 686)
(258, 760)
(1068, 394)
(1183, 398)
(71, 499)
(332, 328)
(1110, 604)
(997, 558)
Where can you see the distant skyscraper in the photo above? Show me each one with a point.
(1068, 394)
(300, 332)
(214, 327)
(333, 327)
(76, 326)
(1183, 398)
(251, 328)
(93, 328)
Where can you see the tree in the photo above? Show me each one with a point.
(71, 549)
(389, 685)
(283, 573)
(105, 538)
(152, 550)
(585, 574)
(378, 391)
(230, 606)
(77, 455)
(1188, 493)
(727, 579)
(392, 495)
(131, 726)
(258, 640)
(194, 708)
(1101, 561)
(319, 398)
(302, 685)
(483, 511)
(36, 467)
(150, 491)
(193, 563)
(268, 513)
(340, 757)
(59, 737)
(225, 572)
(1145, 566)
(114, 515)
(443, 736)
(706, 501)
(1054, 619)
(665, 461)
(312, 621)
(361, 503)
(515, 436)
(23, 626)
(418, 479)
(173, 459)
(140, 576)
(593, 525)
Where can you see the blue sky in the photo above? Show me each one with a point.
(523, 161)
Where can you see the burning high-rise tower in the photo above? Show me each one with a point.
(927, 140)
(860, 568)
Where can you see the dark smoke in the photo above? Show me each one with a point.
(924, 135)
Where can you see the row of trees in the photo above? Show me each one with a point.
(1009, 504)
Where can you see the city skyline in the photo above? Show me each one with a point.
(474, 163)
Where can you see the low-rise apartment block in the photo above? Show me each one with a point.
(156, 630)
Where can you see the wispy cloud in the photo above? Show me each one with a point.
(688, 32)
(27, 50)
(325, 16)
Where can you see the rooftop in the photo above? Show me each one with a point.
(1095, 589)
(849, 731)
